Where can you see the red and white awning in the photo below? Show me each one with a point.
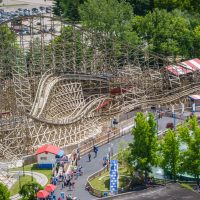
(195, 97)
(185, 67)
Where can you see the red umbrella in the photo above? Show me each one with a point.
(50, 188)
(42, 194)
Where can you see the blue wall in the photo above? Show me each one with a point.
(45, 166)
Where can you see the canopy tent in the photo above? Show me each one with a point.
(50, 188)
(185, 67)
(60, 154)
(42, 194)
(195, 97)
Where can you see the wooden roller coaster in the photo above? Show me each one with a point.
(60, 83)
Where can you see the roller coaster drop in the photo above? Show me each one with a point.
(61, 87)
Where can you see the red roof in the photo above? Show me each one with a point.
(48, 148)
(106, 102)
(185, 67)
(50, 188)
(42, 194)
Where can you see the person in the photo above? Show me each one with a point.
(89, 156)
(95, 151)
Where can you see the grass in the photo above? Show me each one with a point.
(187, 186)
(23, 179)
(102, 183)
(34, 168)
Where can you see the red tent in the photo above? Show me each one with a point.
(42, 194)
(50, 188)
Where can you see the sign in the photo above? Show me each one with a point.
(114, 177)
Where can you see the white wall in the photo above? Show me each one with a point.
(49, 158)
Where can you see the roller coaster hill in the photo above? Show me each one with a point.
(60, 84)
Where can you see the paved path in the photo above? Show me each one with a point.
(96, 164)
(40, 178)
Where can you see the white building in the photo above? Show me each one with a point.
(47, 154)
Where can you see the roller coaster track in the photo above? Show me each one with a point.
(47, 83)
(164, 100)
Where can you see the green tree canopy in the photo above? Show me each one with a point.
(191, 156)
(141, 7)
(170, 153)
(67, 8)
(29, 190)
(166, 33)
(144, 147)
(4, 192)
(111, 16)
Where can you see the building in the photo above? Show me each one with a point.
(47, 155)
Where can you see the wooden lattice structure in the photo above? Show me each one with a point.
(60, 83)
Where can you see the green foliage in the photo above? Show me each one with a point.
(29, 190)
(67, 8)
(57, 7)
(111, 17)
(4, 192)
(144, 147)
(122, 147)
(141, 7)
(191, 156)
(166, 33)
(7, 51)
(170, 152)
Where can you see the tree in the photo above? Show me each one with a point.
(166, 33)
(4, 192)
(111, 22)
(57, 7)
(141, 7)
(7, 52)
(29, 190)
(191, 155)
(143, 149)
(170, 153)
(110, 17)
(67, 8)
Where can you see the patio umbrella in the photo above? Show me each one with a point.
(50, 188)
(42, 194)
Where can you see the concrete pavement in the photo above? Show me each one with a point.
(96, 164)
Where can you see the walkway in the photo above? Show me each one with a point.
(96, 164)
(40, 178)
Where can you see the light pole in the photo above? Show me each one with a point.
(174, 116)
(31, 172)
(23, 166)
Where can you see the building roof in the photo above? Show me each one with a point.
(185, 67)
(195, 97)
(48, 148)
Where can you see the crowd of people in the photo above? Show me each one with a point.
(66, 179)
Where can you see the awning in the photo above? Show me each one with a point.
(60, 154)
(195, 97)
(50, 188)
(185, 67)
(42, 194)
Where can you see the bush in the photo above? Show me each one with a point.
(4, 192)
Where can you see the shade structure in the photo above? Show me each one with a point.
(42, 194)
(50, 188)
(195, 97)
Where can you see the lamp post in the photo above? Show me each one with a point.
(174, 116)
(23, 166)
(31, 172)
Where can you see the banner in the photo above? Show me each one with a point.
(113, 177)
